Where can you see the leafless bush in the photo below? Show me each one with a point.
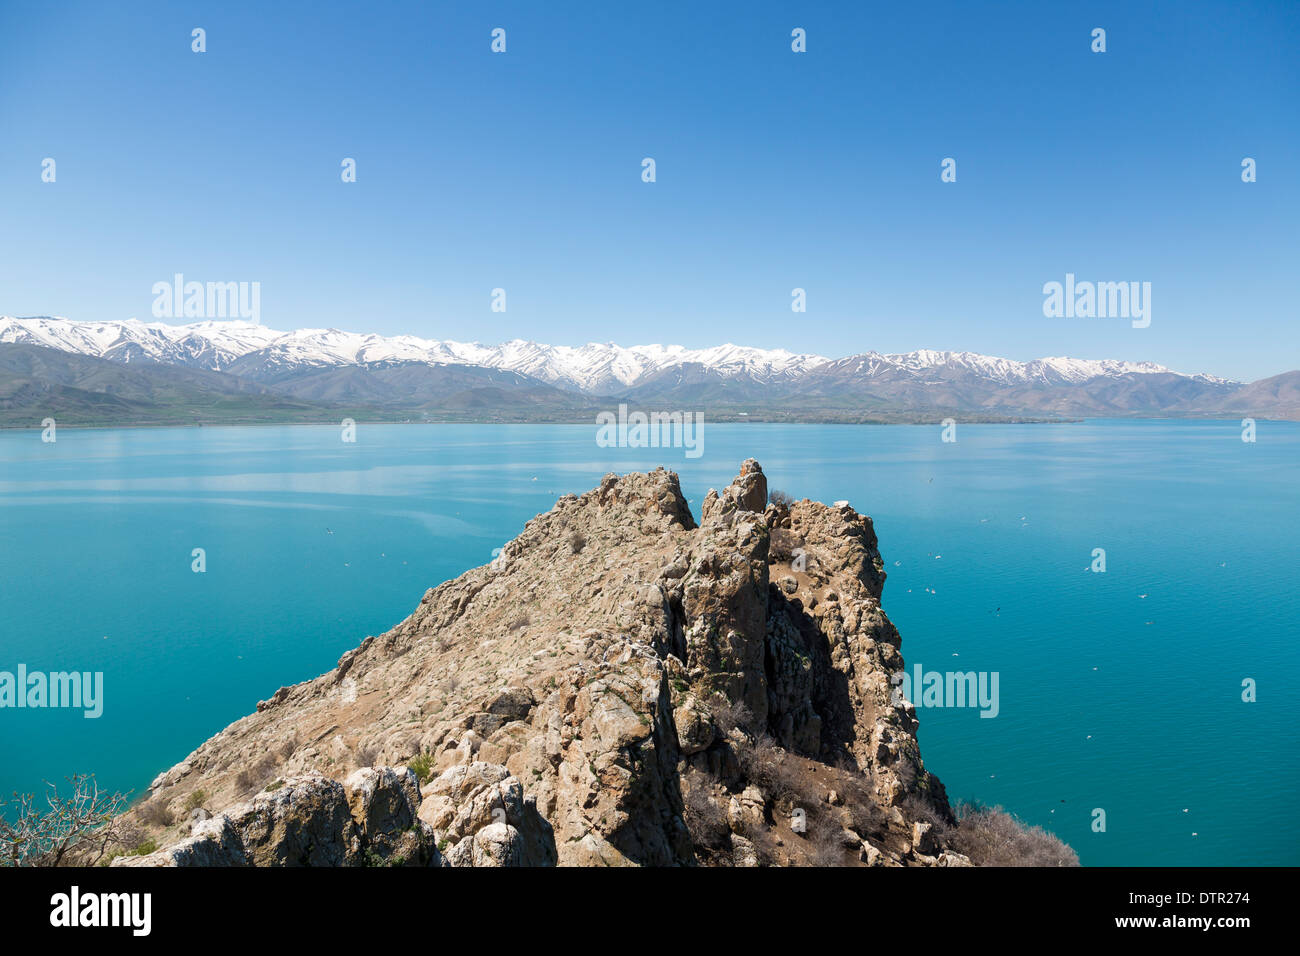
(577, 541)
(916, 808)
(156, 813)
(768, 766)
(827, 844)
(257, 775)
(519, 621)
(783, 544)
(78, 829)
(865, 813)
(798, 784)
(705, 817)
(779, 498)
(288, 747)
(992, 837)
(367, 754)
(728, 714)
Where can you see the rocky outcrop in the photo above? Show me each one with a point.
(621, 687)
(312, 820)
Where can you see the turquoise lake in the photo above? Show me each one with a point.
(1119, 690)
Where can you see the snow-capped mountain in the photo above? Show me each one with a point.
(256, 351)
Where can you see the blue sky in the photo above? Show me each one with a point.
(775, 170)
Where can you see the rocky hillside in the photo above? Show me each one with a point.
(623, 686)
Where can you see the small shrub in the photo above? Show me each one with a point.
(992, 837)
(828, 847)
(577, 541)
(779, 498)
(144, 849)
(705, 817)
(783, 545)
(765, 764)
(258, 775)
(422, 766)
(156, 813)
(519, 622)
(729, 715)
(195, 800)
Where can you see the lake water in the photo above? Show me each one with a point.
(1119, 690)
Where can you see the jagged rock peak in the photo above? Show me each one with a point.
(621, 686)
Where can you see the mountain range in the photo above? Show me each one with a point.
(136, 372)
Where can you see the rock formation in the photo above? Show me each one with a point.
(621, 687)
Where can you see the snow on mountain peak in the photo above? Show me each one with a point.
(594, 367)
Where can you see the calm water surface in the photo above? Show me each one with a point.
(1120, 691)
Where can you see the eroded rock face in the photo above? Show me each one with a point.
(312, 820)
(467, 799)
(554, 699)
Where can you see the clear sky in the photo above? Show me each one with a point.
(775, 170)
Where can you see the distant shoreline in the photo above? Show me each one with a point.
(726, 421)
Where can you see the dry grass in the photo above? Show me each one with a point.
(795, 784)
(256, 776)
(288, 747)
